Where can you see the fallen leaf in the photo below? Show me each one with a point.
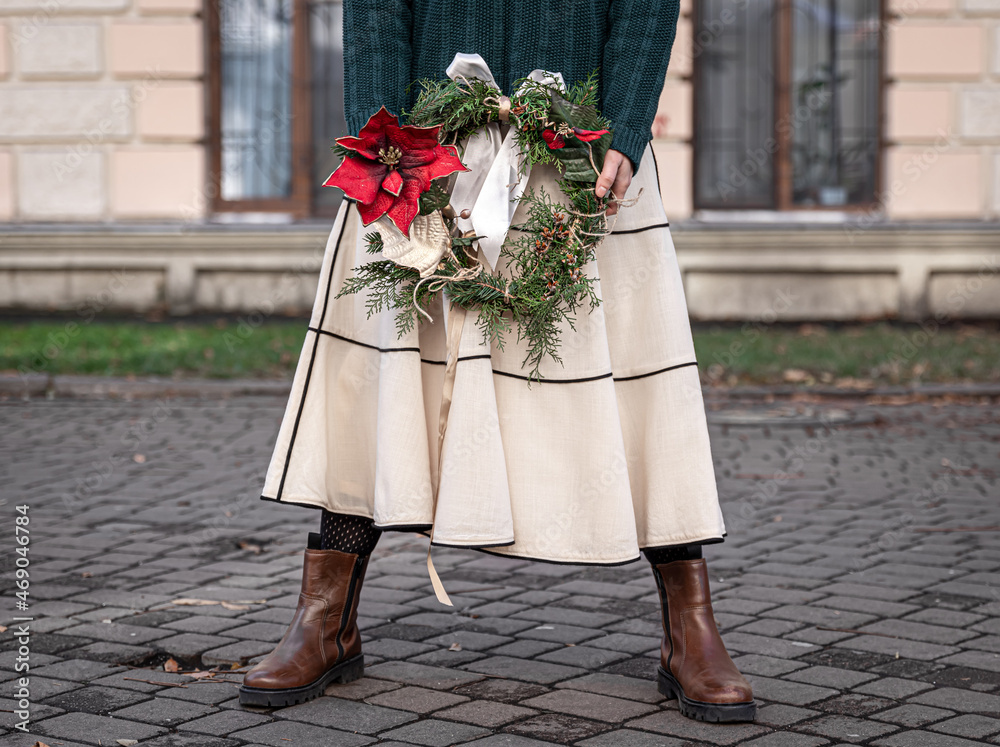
(255, 549)
(200, 674)
(139, 458)
(39, 744)
(796, 375)
(86, 574)
(455, 647)
(234, 606)
(3, 628)
(194, 602)
(171, 665)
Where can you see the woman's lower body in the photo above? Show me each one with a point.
(607, 456)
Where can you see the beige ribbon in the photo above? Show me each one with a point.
(456, 323)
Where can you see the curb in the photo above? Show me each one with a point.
(106, 387)
(103, 387)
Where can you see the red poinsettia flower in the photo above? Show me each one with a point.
(392, 167)
(555, 139)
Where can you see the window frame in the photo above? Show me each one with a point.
(783, 179)
(298, 203)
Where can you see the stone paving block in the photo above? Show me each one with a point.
(41, 687)
(855, 704)
(390, 648)
(347, 715)
(504, 691)
(976, 659)
(192, 645)
(468, 639)
(893, 687)
(587, 657)
(77, 670)
(203, 691)
(951, 618)
(923, 739)
(599, 589)
(436, 733)
(785, 739)
(615, 685)
(285, 733)
(589, 705)
(672, 723)
(190, 739)
(632, 738)
(791, 693)
(416, 699)
(94, 729)
(561, 633)
(877, 607)
(768, 628)
(963, 701)
(919, 631)
(558, 728)
(841, 679)
(93, 699)
(112, 653)
(225, 722)
(525, 648)
(485, 713)
(505, 740)
(902, 647)
(847, 728)
(969, 725)
(766, 666)
(567, 616)
(527, 670)
(632, 644)
(913, 715)
(756, 644)
(422, 675)
(30, 739)
(361, 689)
(851, 589)
(778, 714)
(163, 711)
(442, 657)
(241, 652)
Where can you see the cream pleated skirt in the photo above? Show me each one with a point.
(608, 454)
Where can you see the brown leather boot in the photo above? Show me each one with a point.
(694, 664)
(322, 644)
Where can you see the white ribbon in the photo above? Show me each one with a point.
(491, 188)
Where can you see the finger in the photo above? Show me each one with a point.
(608, 173)
(622, 182)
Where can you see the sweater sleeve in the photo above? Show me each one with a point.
(633, 69)
(377, 54)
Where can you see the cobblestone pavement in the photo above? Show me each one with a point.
(855, 624)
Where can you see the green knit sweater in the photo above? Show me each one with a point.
(389, 43)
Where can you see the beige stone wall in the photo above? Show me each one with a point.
(672, 125)
(943, 109)
(101, 110)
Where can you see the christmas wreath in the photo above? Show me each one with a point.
(398, 174)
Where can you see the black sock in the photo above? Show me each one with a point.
(660, 555)
(346, 533)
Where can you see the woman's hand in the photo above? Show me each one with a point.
(616, 175)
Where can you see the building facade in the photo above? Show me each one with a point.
(819, 159)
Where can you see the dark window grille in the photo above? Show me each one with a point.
(787, 103)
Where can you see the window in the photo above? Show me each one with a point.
(787, 103)
(276, 104)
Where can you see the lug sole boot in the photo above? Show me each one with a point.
(322, 644)
(694, 665)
